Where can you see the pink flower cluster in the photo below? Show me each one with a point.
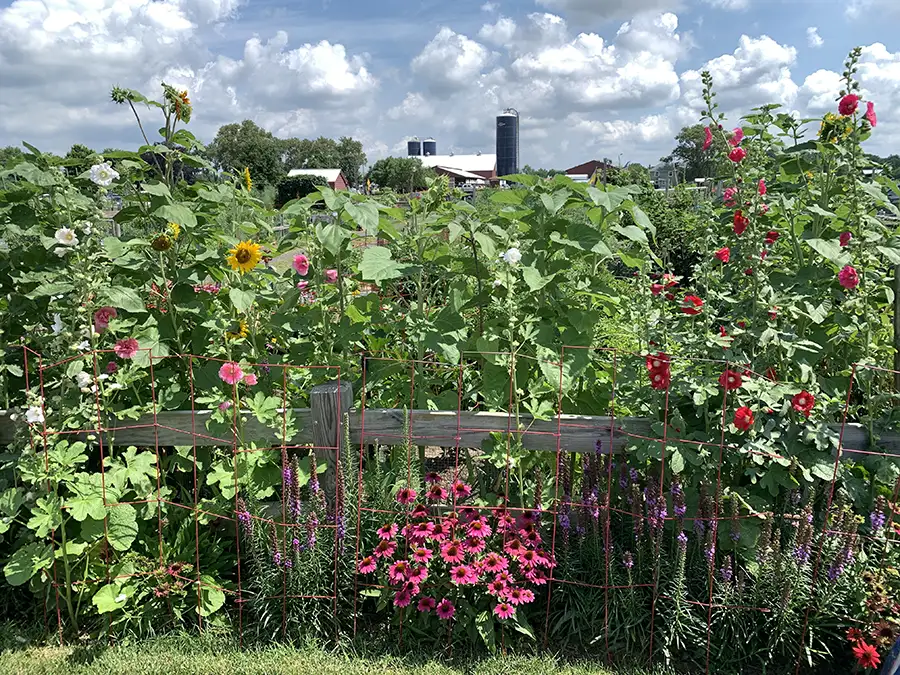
(232, 373)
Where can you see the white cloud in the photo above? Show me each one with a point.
(489, 7)
(819, 91)
(731, 5)
(450, 61)
(882, 9)
(607, 9)
(813, 39)
(500, 32)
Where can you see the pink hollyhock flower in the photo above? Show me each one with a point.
(736, 137)
(367, 565)
(729, 195)
(656, 289)
(387, 532)
(848, 104)
(112, 368)
(737, 155)
(436, 494)
(422, 554)
(496, 587)
(102, 317)
(848, 277)
(504, 610)
(385, 549)
(845, 238)
(870, 114)
(225, 405)
(406, 495)
(762, 187)
(474, 544)
(803, 402)
(330, 276)
(417, 575)
(230, 373)
(426, 604)
(301, 265)
(479, 529)
(452, 552)
(494, 562)
(250, 379)
(463, 575)
(707, 138)
(302, 285)
(743, 418)
(126, 348)
(724, 254)
(740, 222)
(397, 571)
(402, 598)
(764, 208)
(445, 609)
(460, 489)
(432, 477)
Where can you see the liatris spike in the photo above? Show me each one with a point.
(637, 511)
(311, 524)
(735, 518)
(878, 517)
(295, 504)
(313, 475)
(679, 506)
(803, 545)
(244, 518)
(682, 540)
(628, 560)
(765, 537)
(726, 572)
(709, 547)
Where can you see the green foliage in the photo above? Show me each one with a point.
(401, 174)
(297, 187)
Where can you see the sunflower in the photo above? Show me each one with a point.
(175, 230)
(248, 182)
(161, 242)
(244, 257)
(239, 330)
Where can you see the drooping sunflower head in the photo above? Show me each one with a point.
(248, 182)
(244, 257)
(161, 242)
(174, 230)
(240, 329)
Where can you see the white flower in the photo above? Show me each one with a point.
(114, 386)
(34, 415)
(121, 597)
(103, 174)
(83, 346)
(61, 251)
(57, 324)
(66, 237)
(83, 379)
(513, 256)
(87, 228)
(497, 283)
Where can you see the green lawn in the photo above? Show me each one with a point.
(191, 654)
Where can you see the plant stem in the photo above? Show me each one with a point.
(68, 573)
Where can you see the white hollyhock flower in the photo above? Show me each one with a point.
(83, 380)
(83, 346)
(513, 256)
(34, 415)
(103, 174)
(61, 251)
(57, 324)
(66, 237)
(114, 386)
(497, 283)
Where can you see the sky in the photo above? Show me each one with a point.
(591, 79)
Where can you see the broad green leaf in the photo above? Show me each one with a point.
(10, 502)
(242, 300)
(364, 214)
(534, 279)
(508, 197)
(158, 189)
(124, 298)
(112, 597)
(819, 211)
(487, 245)
(121, 526)
(641, 219)
(54, 288)
(676, 462)
(377, 265)
(45, 516)
(631, 232)
(331, 236)
(211, 597)
(26, 562)
(830, 249)
(892, 253)
(88, 499)
(484, 622)
(177, 213)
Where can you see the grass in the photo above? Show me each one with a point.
(184, 653)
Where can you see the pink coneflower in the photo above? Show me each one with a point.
(388, 531)
(331, 276)
(494, 562)
(422, 555)
(528, 559)
(451, 520)
(504, 578)
(406, 495)
(417, 574)
(536, 576)
(527, 596)
(126, 348)
(421, 531)
(474, 544)
(301, 265)
(513, 547)
(479, 528)
(461, 490)
(467, 514)
(230, 373)
(513, 595)
(397, 571)
(421, 511)
(496, 587)
(440, 532)
(463, 575)
(250, 379)
(505, 523)
(452, 552)
(426, 604)
(402, 598)
(545, 560)
(532, 538)
(436, 494)
(504, 610)
(367, 565)
(102, 317)
(432, 477)
(385, 549)
(445, 609)
(527, 518)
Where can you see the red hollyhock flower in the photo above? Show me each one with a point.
(722, 331)
(749, 271)
(737, 155)
(669, 280)
(724, 254)
(730, 379)
(772, 236)
(848, 277)
(771, 374)
(762, 187)
(740, 222)
(803, 402)
(656, 289)
(845, 238)
(692, 305)
(773, 313)
(870, 114)
(658, 370)
(848, 104)
(707, 138)
(743, 418)
(670, 296)
(866, 655)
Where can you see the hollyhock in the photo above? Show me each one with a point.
(406, 495)
(658, 362)
(730, 379)
(743, 418)
(331, 276)
(847, 105)
(250, 379)
(771, 374)
(848, 277)
(102, 317)
(301, 265)
(474, 544)
(740, 222)
(385, 549)
(387, 532)
(870, 114)
(656, 289)
(866, 655)
(736, 137)
(845, 238)
(692, 305)
(707, 138)
(367, 565)
(479, 529)
(302, 285)
(463, 575)
(127, 348)
(417, 575)
(728, 196)
(724, 254)
(803, 402)
(452, 552)
(402, 598)
(773, 313)
(737, 155)
(504, 610)
(445, 609)
(761, 188)
(397, 571)
(426, 604)
(231, 373)
(772, 236)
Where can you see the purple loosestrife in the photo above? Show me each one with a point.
(313, 475)
(276, 547)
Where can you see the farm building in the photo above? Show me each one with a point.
(479, 165)
(334, 177)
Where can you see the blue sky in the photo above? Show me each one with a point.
(591, 78)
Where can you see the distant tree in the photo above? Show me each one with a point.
(633, 174)
(402, 174)
(891, 163)
(324, 153)
(543, 173)
(11, 155)
(297, 187)
(247, 145)
(351, 158)
(77, 159)
(693, 161)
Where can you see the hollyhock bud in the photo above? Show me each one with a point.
(845, 238)
(749, 271)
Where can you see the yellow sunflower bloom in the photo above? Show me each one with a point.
(175, 229)
(248, 183)
(241, 330)
(244, 257)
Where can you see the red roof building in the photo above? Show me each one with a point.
(588, 168)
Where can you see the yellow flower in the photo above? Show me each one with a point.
(244, 257)
(241, 330)
(248, 183)
(184, 97)
(175, 229)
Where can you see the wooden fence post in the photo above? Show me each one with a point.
(328, 404)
